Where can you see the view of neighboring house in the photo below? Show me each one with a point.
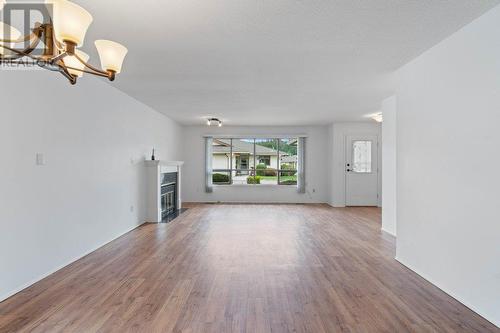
(233, 160)
(243, 153)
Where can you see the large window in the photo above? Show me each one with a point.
(254, 161)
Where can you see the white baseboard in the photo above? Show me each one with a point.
(334, 205)
(52, 271)
(389, 232)
(453, 295)
(257, 202)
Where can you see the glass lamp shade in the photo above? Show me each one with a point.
(70, 21)
(71, 61)
(112, 55)
(2, 3)
(9, 33)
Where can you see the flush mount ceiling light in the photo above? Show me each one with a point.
(214, 122)
(378, 117)
(61, 38)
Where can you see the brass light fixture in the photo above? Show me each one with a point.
(61, 38)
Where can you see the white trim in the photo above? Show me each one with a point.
(52, 271)
(208, 164)
(301, 160)
(156, 163)
(253, 202)
(252, 185)
(257, 136)
(389, 232)
(456, 297)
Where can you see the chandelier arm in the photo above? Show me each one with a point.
(37, 32)
(59, 57)
(67, 75)
(88, 71)
(64, 71)
(19, 54)
(89, 66)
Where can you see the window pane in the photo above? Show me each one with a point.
(242, 160)
(288, 154)
(253, 180)
(264, 159)
(221, 150)
(362, 156)
(221, 177)
(254, 161)
(267, 158)
(288, 177)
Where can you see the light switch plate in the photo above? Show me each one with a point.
(40, 159)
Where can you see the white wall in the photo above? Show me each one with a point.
(337, 135)
(94, 139)
(316, 167)
(389, 163)
(448, 157)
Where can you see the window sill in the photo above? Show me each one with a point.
(255, 185)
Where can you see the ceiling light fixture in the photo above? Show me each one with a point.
(214, 122)
(61, 38)
(378, 117)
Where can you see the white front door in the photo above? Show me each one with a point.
(361, 170)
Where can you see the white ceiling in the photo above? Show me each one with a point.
(271, 62)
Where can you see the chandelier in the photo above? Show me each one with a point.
(61, 39)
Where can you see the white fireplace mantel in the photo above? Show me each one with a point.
(154, 171)
(157, 163)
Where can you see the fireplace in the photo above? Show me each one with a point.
(168, 194)
(163, 198)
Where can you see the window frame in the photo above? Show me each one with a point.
(252, 170)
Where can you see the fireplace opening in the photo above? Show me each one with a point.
(169, 200)
(168, 194)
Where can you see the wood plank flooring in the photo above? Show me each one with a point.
(243, 268)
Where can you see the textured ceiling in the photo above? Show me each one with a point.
(262, 62)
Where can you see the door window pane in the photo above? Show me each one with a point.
(362, 156)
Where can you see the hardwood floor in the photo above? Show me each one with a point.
(243, 268)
